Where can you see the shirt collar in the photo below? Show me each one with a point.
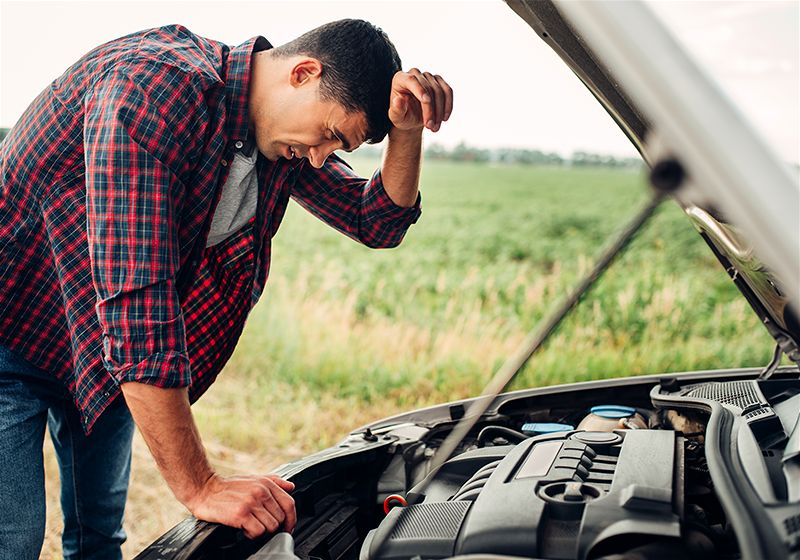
(237, 82)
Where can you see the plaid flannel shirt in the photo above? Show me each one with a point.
(109, 183)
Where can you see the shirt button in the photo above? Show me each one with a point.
(224, 163)
(239, 144)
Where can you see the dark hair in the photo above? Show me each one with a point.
(358, 63)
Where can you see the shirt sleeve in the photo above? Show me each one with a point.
(132, 197)
(357, 207)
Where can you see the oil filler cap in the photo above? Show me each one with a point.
(569, 493)
(597, 438)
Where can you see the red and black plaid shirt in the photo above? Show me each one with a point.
(109, 183)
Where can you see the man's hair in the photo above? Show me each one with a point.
(358, 63)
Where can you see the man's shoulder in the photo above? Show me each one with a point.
(170, 50)
(177, 47)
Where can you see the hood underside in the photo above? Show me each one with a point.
(763, 291)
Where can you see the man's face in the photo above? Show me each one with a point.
(302, 124)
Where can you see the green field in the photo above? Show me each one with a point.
(346, 334)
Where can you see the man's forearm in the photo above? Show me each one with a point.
(165, 420)
(254, 503)
(401, 166)
(418, 100)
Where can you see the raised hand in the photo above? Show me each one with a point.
(419, 100)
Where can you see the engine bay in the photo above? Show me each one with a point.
(616, 483)
(624, 480)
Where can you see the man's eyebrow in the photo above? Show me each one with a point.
(345, 144)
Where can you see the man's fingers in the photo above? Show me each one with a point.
(432, 121)
(279, 503)
(253, 527)
(286, 503)
(425, 78)
(448, 96)
(434, 94)
(438, 99)
(267, 517)
(284, 484)
(419, 88)
(266, 499)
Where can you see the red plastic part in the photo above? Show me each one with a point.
(387, 503)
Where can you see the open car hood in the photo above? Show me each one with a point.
(735, 191)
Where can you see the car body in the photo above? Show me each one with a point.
(682, 465)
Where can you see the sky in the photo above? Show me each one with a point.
(510, 89)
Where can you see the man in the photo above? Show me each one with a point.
(139, 194)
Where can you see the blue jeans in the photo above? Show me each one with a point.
(94, 469)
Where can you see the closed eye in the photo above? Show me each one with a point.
(341, 138)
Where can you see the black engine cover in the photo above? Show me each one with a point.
(559, 496)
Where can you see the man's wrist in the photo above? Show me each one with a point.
(411, 134)
(192, 495)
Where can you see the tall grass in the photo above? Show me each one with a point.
(345, 334)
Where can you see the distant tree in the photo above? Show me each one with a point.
(436, 151)
(517, 156)
(586, 159)
(463, 152)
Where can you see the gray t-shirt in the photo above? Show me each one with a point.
(237, 203)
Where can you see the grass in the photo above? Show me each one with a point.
(344, 335)
(342, 329)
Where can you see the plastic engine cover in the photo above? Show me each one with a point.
(556, 496)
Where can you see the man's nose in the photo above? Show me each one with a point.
(318, 154)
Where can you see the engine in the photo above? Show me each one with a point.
(565, 495)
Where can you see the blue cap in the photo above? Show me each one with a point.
(545, 428)
(613, 411)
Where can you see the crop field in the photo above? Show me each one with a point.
(344, 335)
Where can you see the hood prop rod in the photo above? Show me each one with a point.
(534, 342)
(767, 372)
(514, 365)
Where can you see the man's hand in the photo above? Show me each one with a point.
(256, 504)
(419, 100)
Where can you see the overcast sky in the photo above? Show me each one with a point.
(511, 90)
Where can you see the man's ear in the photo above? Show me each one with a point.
(305, 71)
